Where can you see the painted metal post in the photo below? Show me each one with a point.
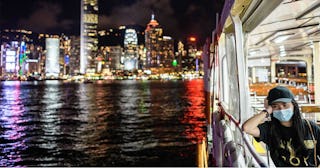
(242, 70)
(316, 71)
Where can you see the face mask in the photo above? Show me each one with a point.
(283, 115)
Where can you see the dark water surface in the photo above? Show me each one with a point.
(115, 123)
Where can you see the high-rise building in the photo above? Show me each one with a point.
(130, 57)
(74, 59)
(192, 47)
(192, 61)
(153, 40)
(168, 58)
(89, 35)
(9, 59)
(180, 55)
(142, 57)
(65, 52)
(114, 54)
(52, 58)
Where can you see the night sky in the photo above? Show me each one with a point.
(179, 18)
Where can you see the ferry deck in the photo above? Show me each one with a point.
(257, 45)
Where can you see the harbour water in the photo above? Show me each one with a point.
(106, 123)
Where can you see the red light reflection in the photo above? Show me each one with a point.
(194, 116)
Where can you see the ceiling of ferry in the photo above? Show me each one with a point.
(289, 31)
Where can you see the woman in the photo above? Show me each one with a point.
(287, 135)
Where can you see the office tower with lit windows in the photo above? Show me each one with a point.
(130, 57)
(192, 61)
(142, 57)
(9, 59)
(168, 60)
(153, 40)
(65, 53)
(192, 47)
(74, 59)
(180, 55)
(52, 58)
(89, 37)
(114, 54)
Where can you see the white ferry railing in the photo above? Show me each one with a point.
(257, 159)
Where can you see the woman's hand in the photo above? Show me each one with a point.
(267, 106)
(269, 109)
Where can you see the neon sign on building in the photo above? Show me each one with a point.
(22, 57)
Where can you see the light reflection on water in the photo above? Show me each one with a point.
(114, 123)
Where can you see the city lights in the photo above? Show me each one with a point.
(192, 39)
(136, 52)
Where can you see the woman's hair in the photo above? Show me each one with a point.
(297, 124)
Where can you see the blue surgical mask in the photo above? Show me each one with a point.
(283, 115)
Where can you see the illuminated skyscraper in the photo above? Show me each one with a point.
(74, 55)
(168, 58)
(52, 58)
(10, 58)
(130, 59)
(153, 40)
(89, 37)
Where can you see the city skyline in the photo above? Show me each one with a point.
(180, 19)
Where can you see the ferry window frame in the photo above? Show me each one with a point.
(225, 80)
(232, 74)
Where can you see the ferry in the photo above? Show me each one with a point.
(257, 45)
